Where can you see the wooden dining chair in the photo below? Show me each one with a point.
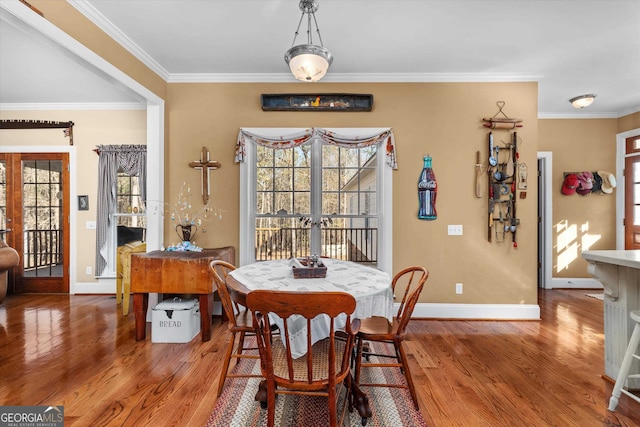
(379, 329)
(326, 364)
(240, 323)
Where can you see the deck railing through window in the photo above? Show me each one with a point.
(42, 249)
(352, 244)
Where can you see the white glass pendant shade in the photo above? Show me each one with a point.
(308, 63)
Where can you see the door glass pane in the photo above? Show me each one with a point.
(42, 218)
(636, 172)
(3, 197)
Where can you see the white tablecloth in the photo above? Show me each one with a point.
(370, 287)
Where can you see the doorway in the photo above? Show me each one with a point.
(631, 193)
(544, 169)
(34, 219)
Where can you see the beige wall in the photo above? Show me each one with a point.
(91, 128)
(441, 119)
(579, 222)
(630, 122)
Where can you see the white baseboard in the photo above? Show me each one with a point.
(103, 286)
(575, 283)
(477, 311)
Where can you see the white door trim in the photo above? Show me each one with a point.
(620, 189)
(546, 208)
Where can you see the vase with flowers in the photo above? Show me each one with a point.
(189, 221)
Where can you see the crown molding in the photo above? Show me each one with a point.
(351, 78)
(114, 32)
(70, 106)
(603, 115)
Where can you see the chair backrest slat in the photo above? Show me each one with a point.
(220, 270)
(308, 305)
(413, 278)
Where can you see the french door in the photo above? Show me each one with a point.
(632, 193)
(34, 219)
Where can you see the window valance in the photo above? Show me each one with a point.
(346, 138)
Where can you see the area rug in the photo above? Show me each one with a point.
(596, 296)
(236, 406)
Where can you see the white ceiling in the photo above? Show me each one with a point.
(570, 47)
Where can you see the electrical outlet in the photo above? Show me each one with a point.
(88, 269)
(455, 230)
(458, 288)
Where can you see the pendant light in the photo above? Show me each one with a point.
(308, 62)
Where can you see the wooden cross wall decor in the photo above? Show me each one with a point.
(205, 165)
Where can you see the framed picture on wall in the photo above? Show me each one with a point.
(317, 102)
(83, 203)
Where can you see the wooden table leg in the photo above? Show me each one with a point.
(140, 305)
(205, 317)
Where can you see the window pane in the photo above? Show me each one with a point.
(367, 154)
(3, 195)
(349, 157)
(636, 193)
(264, 157)
(28, 171)
(302, 203)
(124, 184)
(302, 179)
(265, 179)
(29, 194)
(636, 172)
(283, 157)
(283, 179)
(56, 170)
(264, 202)
(284, 203)
(330, 156)
(330, 203)
(128, 198)
(368, 203)
(42, 171)
(302, 155)
(330, 180)
(636, 215)
(56, 195)
(347, 181)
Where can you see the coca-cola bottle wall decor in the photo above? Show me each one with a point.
(427, 192)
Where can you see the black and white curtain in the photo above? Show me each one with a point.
(132, 160)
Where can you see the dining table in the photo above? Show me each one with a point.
(370, 287)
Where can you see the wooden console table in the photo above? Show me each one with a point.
(175, 273)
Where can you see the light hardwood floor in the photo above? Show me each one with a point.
(80, 352)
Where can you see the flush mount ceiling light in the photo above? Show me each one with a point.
(308, 62)
(582, 100)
